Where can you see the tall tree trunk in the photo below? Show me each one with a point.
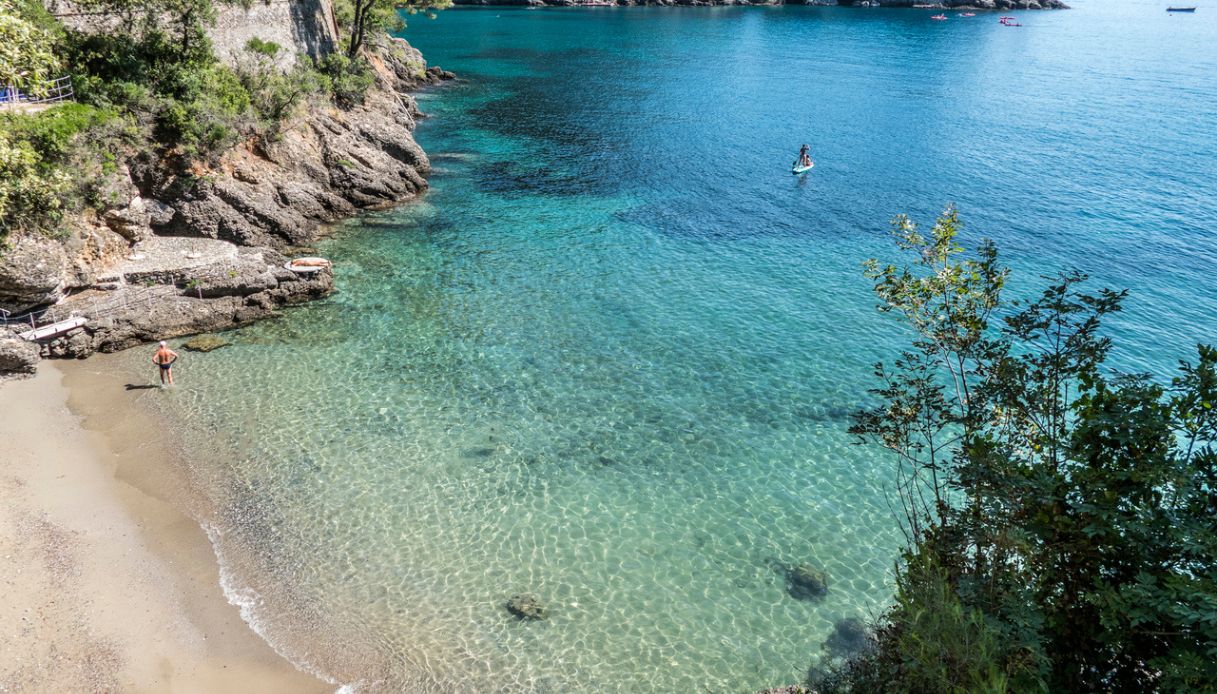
(357, 27)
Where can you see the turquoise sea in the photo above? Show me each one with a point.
(609, 359)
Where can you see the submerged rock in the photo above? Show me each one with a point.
(806, 582)
(205, 343)
(526, 606)
(849, 636)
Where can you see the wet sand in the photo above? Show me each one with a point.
(107, 584)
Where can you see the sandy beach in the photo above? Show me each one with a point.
(107, 584)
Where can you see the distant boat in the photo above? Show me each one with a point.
(966, 14)
(939, 17)
(1181, 9)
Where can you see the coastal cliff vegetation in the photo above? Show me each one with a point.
(147, 81)
(1061, 517)
(203, 142)
(141, 85)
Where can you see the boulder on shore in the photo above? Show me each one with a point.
(17, 357)
(526, 606)
(806, 582)
(33, 272)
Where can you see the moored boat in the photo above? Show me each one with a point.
(1181, 9)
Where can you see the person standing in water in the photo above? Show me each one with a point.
(164, 359)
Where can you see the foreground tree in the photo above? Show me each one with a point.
(27, 50)
(1061, 519)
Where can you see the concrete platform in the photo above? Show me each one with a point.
(161, 255)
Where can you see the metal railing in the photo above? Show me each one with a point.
(96, 308)
(57, 91)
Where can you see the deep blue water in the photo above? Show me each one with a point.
(609, 358)
(1082, 140)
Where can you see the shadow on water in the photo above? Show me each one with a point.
(147, 386)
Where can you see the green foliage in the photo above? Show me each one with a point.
(185, 22)
(206, 113)
(273, 93)
(53, 133)
(362, 18)
(943, 646)
(30, 192)
(346, 80)
(39, 151)
(27, 47)
(1062, 521)
(151, 85)
(266, 49)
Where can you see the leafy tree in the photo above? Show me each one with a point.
(27, 50)
(362, 17)
(1062, 519)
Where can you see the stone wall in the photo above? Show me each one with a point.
(298, 26)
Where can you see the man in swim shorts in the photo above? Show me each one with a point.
(164, 359)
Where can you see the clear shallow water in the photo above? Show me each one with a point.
(610, 358)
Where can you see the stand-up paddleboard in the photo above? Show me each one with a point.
(796, 169)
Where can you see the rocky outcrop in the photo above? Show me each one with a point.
(322, 168)
(17, 357)
(263, 197)
(227, 293)
(33, 272)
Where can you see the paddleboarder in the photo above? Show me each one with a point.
(804, 156)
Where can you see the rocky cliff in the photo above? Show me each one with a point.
(180, 248)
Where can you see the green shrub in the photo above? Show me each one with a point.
(268, 49)
(53, 133)
(207, 112)
(273, 93)
(347, 80)
(30, 193)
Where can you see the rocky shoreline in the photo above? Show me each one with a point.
(916, 4)
(180, 249)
